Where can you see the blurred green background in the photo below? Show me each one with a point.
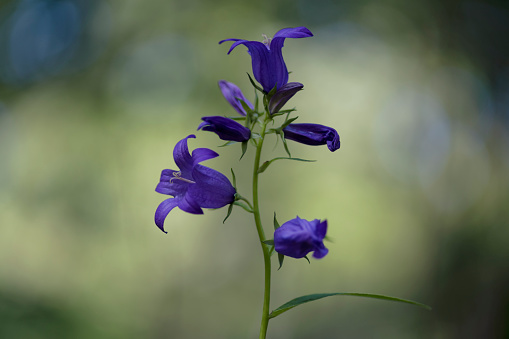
(95, 94)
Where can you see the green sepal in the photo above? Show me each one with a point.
(272, 92)
(237, 118)
(244, 206)
(228, 144)
(269, 242)
(285, 145)
(257, 101)
(266, 164)
(230, 208)
(234, 180)
(245, 106)
(288, 122)
(253, 83)
(311, 297)
(276, 224)
(286, 111)
(244, 148)
(281, 258)
(306, 257)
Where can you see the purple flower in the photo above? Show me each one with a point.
(285, 93)
(297, 237)
(313, 134)
(225, 128)
(269, 68)
(193, 187)
(232, 94)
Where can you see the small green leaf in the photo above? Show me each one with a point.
(285, 145)
(244, 148)
(256, 101)
(288, 122)
(266, 164)
(233, 179)
(230, 208)
(237, 118)
(244, 206)
(228, 143)
(276, 224)
(269, 242)
(311, 297)
(253, 83)
(281, 258)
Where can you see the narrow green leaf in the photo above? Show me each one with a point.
(244, 148)
(228, 143)
(240, 118)
(266, 164)
(244, 206)
(282, 135)
(311, 297)
(233, 179)
(276, 223)
(253, 83)
(256, 101)
(281, 258)
(288, 122)
(230, 208)
(269, 242)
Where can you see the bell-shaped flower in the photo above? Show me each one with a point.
(297, 237)
(269, 68)
(233, 95)
(194, 186)
(313, 134)
(226, 128)
(281, 97)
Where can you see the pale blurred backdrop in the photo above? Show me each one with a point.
(95, 94)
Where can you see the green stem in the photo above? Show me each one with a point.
(261, 234)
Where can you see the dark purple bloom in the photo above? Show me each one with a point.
(232, 94)
(225, 128)
(269, 68)
(297, 237)
(313, 134)
(285, 93)
(193, 187)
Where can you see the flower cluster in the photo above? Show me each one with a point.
(195, 186)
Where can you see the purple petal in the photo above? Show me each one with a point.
(297, 237)
(189, 204)
(225, 128)
(321, 229)
(297, 32)
(181, 155)
(313, 135)
(232, 94)
(281, 97)
(212, 189)
(202, 154)
(162, 211)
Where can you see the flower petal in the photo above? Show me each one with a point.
(212, 189)
(162, 211)
(297, 237)
(225, 128)
(296, 32)
(182, 157)
(189, 204)
(313, 135)
(202, 154)
(232, 94)
(281, 97)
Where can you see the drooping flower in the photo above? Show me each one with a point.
(193, 187)
(281, 97)
(313, 134)
(232, 94)
(297, 237)
(225, 128)
(269, 68)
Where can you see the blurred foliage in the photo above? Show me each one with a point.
(95, 94)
